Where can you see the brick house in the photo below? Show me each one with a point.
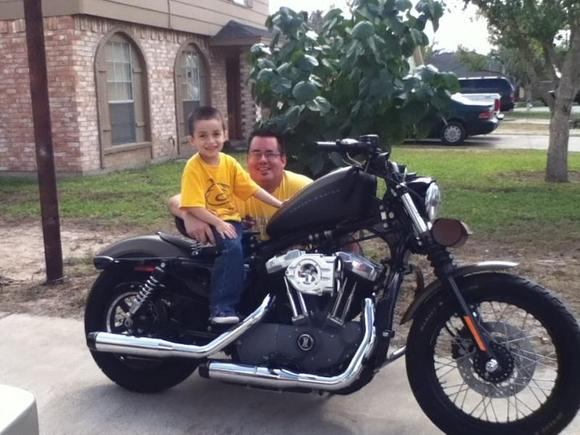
(123, 76)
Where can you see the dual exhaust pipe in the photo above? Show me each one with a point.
(238, 373)
(157, 348)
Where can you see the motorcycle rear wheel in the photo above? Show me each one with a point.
(110, 298)
(537, 340)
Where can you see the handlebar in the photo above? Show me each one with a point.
(368, 144)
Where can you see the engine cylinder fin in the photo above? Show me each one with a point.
(348, 303)
(291, 299)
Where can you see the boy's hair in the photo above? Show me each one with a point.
(269, 133)
(204, 113)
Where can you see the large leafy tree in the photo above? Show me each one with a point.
(552, 29)
(352, 77)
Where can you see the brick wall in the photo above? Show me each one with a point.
(248, 109)
(17, 152)
(71, 44)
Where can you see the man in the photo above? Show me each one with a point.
(266, 166)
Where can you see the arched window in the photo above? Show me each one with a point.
(121, 93)
(192, 85)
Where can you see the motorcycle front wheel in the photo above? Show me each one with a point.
(531, 387)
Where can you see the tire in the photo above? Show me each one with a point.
(453, 133)
(143, 375)
(538, 343)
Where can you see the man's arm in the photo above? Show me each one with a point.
(195, 228)
(265, 197)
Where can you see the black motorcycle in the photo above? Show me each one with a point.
(487, 352)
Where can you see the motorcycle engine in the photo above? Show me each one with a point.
(320, 291)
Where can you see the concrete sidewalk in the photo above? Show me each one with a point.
(48, 357)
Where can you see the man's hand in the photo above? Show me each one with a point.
(249, 222)
(198, 229)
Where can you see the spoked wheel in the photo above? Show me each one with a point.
(108, 310)
(530, 386)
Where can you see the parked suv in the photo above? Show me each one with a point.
(500, 85)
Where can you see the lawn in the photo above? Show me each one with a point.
(534, 114)
(495, 191)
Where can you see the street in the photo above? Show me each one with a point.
(48, 357)
(503, 141)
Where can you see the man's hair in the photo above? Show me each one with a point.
(269, 133)
(204, 113)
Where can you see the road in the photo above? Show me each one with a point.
(48, 357)
(504, 141)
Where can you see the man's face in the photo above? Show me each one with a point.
(265, 163)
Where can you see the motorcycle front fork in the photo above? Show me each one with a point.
(443, 266)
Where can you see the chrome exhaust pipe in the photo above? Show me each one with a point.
(157, 348)
(286, 379)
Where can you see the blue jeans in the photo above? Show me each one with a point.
(227, 278)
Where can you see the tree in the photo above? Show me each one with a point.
(476, 61)
(552, 28)
(350, 79)
(431, 50)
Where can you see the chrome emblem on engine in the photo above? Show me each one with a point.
(312, 274)
(305, 342)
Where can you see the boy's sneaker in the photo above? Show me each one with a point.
(225, 319)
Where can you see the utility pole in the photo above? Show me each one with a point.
(43, 140)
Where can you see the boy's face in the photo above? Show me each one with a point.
(208, 137)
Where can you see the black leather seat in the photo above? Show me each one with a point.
(189, 244)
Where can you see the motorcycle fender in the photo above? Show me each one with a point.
(150, 246)
(460, 272)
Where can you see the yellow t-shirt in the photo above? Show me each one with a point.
(216, 187)
(260, 212)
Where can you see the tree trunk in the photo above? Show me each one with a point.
(557, 165)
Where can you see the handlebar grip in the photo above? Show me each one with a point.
(366, 145)
(328, 146)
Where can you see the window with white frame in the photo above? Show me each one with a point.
(193, 84)
(121, 92)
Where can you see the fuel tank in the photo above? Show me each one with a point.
(346, 194)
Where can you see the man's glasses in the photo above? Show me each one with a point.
(268, 155)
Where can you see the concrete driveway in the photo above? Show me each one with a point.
(48, 357)
(502, 141)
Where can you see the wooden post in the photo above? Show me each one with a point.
(43, 140)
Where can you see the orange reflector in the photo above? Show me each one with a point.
(480, 343)
(144, 268)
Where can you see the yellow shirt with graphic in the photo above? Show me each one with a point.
(216, 188)
(260, 212)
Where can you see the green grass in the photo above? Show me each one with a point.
(499, 191)
(132, 197)
(495, 191)
(525, 114)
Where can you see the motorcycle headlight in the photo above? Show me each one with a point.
(432, 201)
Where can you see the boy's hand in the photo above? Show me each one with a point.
(226, 230)
(198, 229)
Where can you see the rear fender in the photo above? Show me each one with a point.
(143, 253)
(150, 246)
(461, 272)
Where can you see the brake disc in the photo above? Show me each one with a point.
(507, 339)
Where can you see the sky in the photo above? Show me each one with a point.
(456, 27)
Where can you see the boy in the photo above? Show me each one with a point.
(209, 182)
